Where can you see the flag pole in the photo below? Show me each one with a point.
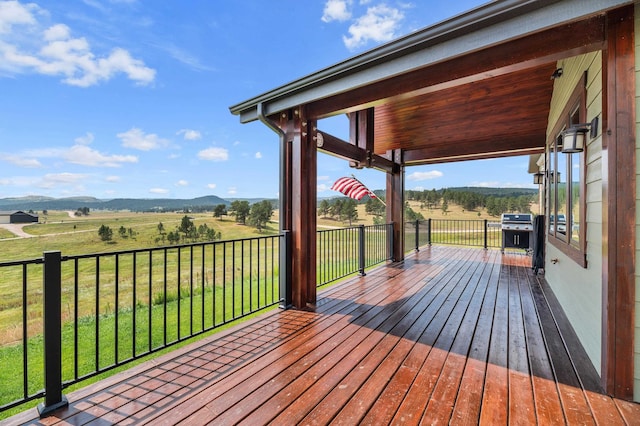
(376, 197)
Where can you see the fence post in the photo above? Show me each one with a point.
(429, 231)
(390, 242)
(361, 250)
(52, 277)
(284, 276)
(486, 231)
(417, 235)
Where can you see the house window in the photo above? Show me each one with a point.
(566, 205)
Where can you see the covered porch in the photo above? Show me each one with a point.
(501, 80)
(450, 334)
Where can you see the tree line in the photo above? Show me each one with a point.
(472, 201)
(257, 215)
(343, 209)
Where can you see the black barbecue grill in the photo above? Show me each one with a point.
(517, 230)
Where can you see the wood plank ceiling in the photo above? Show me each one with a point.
(497, 116)
(489, 103)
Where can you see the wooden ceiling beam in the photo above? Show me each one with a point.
(361, 129)
(337, 147)
(524, 53)
(480, 156)
(474, 150)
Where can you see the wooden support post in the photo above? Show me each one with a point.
(395, 205)
(301, 204)
(361, 135)
(619, 191)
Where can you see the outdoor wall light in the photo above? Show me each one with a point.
(554, 177)
(538, 178)
(573, 139)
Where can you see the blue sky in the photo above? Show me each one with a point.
(130, 98)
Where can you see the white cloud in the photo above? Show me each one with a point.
(418, 176)
(182, 182)
(113, 179)
(83, 155)
(51, 180)
(498, 184)
(378, 24)
(190, 135)
(20, 161)
(77, 154)
(323, 187)
(486, 184)
(96, 5)
(337, 10)
(214, 154)
(13, 13)
(84, 140)
(232, 190)
(159, 191)
(185, 57)
(323, 178)
(258, 155)
(53, 51)
(211, 185)
(137, 139)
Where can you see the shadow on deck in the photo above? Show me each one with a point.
(455, 335)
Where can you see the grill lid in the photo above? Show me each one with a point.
(517, 218)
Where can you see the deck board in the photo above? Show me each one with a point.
(450, 335)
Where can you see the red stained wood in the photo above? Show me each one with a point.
(451, 334)
(457, 118)
(491, 101)
(619, 207)
(395, 206)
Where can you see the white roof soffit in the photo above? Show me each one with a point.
(494, 23)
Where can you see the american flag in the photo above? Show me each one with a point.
(352, 188)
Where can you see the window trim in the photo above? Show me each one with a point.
(577, 101)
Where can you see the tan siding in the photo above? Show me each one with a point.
(594, 171)
(578, 289)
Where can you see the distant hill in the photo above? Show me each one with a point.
(495, 192)
(39, 203)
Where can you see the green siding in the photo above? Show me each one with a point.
(578, 289)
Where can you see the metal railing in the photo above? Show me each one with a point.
(477, 233)
(99, 311)
(347, 251)
(96, 312)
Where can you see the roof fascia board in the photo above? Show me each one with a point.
(488, 25)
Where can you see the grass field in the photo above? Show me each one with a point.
(73, 235)
(79, 236)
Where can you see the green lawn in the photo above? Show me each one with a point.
(112, 288)
(180, 318)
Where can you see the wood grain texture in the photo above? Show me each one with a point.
(449, 335)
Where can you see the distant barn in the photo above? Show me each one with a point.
(17, 217)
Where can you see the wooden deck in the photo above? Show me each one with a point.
(451, 335)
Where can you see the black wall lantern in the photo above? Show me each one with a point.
(574, 138)
(538, 178)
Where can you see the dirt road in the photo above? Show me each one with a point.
(16, 228)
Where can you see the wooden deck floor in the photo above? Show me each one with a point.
(451, 335)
